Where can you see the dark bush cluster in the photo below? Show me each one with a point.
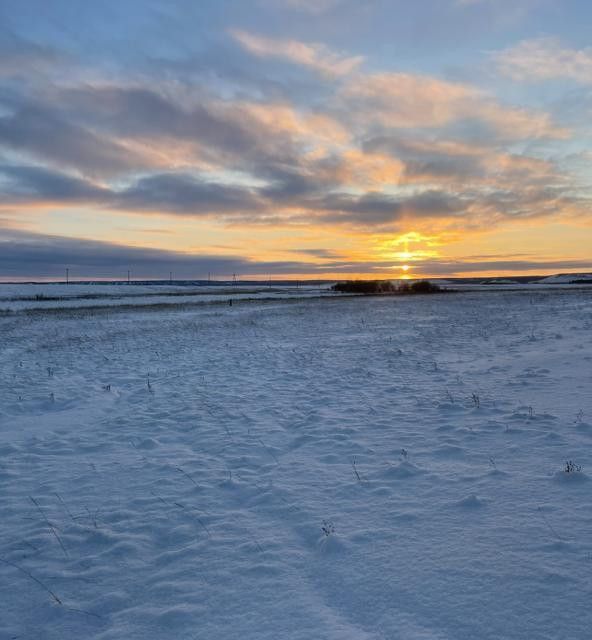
(420, 286)
(365, 286)
(377, 287)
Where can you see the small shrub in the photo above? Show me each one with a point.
(572, 467)
(327, 528)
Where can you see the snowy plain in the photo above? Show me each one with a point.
(356, 468)
(22, 297)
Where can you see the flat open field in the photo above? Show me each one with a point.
(357, 468)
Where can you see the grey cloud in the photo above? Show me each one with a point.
(455, 267)
(79, 128)
(20, 57)
(25, 254)
(38, 131)
(191, 195)
(167, 193)
(143, 113)
(290, 185)
(317, 253)
(376, 208)
(223, 133)
(30, 185)
(184, 194)
(427, 158)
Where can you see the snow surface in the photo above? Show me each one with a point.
(20, 297)
(344, 468)
(567, 278)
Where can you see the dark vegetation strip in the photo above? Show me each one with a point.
(388, 287)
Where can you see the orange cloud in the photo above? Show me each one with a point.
(402, 100)
(313, 55)
(545, 58)
(282, 118)
(406, 100)
(368, 170)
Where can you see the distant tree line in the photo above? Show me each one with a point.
(386, 287)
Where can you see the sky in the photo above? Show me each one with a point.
(294, 138)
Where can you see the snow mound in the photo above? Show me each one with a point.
(570, 477)
(566, 278)
(404, 469)
(472, 502)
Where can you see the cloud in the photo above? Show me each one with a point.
(545, 58)
(377, 209)
(33, 255)
(313, 55)
(39, 132)
(501, 12)
(117, 133)
(37, 256)
(198, 130)
(317, 253)
(457, 164)
(141, 114)
(26, 254)
(402, 100)
(172, 193)
(315, 7)
(432, 159)
(186, 195)
(525, 189)
(405, 100)
(191, 153)
(389, 150)
(461, 266)
(20, 57)
(31, 185)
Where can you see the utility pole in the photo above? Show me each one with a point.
(128, 276)
(67, 276)
(170, 277)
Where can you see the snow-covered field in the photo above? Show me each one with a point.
(372, 468)
(25, 297)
